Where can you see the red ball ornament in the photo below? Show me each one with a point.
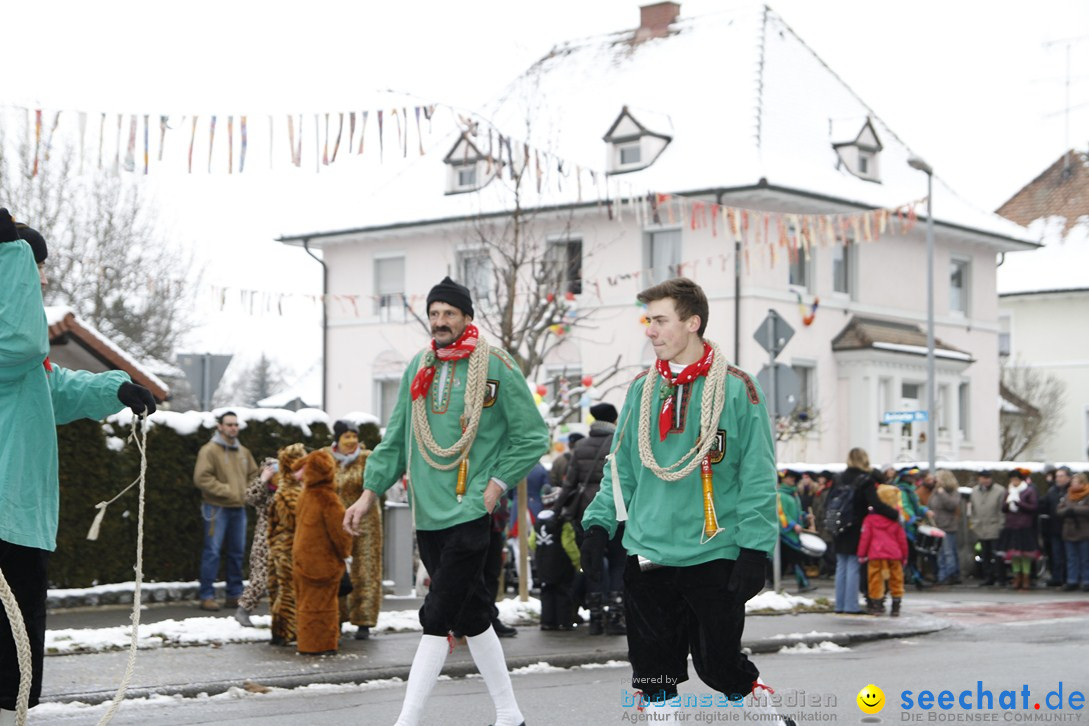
(587, 381)
(542, 390)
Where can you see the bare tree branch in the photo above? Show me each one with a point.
(1037, 398)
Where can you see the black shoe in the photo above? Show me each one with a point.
(503, 630)
(1054, 583)
(1071, 587)
(986, 583)
(363, 633)
(277, 640)
(545, 626)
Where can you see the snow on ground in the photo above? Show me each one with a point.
(206, 630)
(825, 646)
(812, 634)
(778, 601)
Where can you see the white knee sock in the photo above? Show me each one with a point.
(7, 718)
(488, 655)
(426, 667)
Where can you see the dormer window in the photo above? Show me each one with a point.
(860, 156)
(467, 168)
(633, 145)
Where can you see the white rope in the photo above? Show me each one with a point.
(474, 405)
(141, 444)
(711, 405)
(22, 649)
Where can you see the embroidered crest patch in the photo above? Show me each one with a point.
(718, 449)
(491, 392)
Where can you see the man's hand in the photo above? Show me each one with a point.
(8, 233)
(267, 473)
(749, 575)
(136, 397)
(492, 492)
(593, 551)
(353, 516)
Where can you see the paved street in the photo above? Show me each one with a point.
(1006, 640)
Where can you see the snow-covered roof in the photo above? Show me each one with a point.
(1060, 264)
(63, 322)
(307, 388)
(1055, 208)
(749, 105)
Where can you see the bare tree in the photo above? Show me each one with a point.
(108, 260)
(525, 270)
(1036, 399)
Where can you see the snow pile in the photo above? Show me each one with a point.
(811, 635)
(825, 646)
(777, 601)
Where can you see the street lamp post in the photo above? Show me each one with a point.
(931, 380)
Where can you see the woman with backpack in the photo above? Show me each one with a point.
(851, 498)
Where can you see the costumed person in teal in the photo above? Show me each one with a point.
(792, 520)
(913, 511)
(36, 396)
(465, 428)
(692, 475)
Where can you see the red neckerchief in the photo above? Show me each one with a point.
(463, 347)
(689, 374)
(47, 364)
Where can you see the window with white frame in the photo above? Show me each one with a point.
(943, 413)
(564, 261)
(385, 395)
(884, 400)
(843, 267)
(1005, 326)
(807, 386)
(476, 273)
(629, 153)
(389, 288)
(663, 254)
(910, 391)
(964, 407)
(958, 286)
(800, 268)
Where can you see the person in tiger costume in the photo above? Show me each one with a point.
(365, 599)
(281, 537)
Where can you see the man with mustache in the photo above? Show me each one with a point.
(464, 429)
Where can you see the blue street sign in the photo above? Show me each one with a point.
(904, 417)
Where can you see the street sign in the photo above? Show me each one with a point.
(774, 333)
(904, 417)
(788, 387)
(203, 373)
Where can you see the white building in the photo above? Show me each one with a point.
(731, 109)
(1044, 297)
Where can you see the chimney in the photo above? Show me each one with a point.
(654, 20)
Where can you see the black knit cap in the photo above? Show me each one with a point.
(342, 426)
(604, 412)
(451, 293)
(35, 240)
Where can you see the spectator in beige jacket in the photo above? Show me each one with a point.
(985, 520)
(224, 468)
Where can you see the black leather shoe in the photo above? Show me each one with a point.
(363, 633)
(503, 630)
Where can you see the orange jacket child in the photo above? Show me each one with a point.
(320, 546)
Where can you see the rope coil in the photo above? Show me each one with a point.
(474, 405)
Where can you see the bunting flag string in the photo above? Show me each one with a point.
(242, 149)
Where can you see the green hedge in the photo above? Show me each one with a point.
(92, 472)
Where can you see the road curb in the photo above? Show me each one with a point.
(460, 669)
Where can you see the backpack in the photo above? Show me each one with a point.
(839, 509)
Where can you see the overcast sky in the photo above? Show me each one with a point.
(977, 88)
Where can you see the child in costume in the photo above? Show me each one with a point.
(884, 546)
(321, 545)
(557, 558)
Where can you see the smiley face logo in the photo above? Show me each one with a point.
(871, 699)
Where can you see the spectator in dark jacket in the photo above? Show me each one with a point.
(580, 487)
(559, 465)
(1073, 512)
(1052, 526)
(864, 483)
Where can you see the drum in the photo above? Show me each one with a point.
(812, 545)
(928, 539)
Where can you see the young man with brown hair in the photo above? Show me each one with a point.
(692, 475)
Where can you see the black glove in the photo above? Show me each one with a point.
(750, 573)
(593, 551)
(136, 397)
(8, 233)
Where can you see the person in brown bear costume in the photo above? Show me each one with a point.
(321, 545)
